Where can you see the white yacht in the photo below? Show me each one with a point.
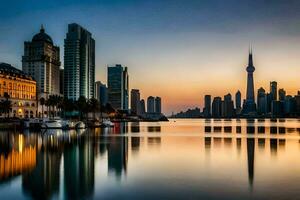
(52, 124)
(107, 123)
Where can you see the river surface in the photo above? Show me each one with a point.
(179, 159)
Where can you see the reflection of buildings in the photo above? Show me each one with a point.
(16, 157)
(43, 181)
(117, 155)
(135, 141)
(154, 140)
(250, 156)
(21, 90)
(79, 169)
(154, 129)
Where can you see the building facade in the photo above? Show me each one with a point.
(101, 93)
(273, 90)
(79, 63)
(158, 105)
(281, 94)
(262, 102)
(143, 107)
(227, 106)
(238, 100)
(135, 104)
(150, 104)
(207, 106)
(41, 61)
(21, 91)
(118, 86)
(217, 107)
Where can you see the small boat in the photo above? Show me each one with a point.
(80, 125)
(52, 124)
(107, 123)
(31, 123)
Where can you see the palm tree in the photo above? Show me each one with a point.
(67, 105)
(42, 102)
(47, 104)
(81, 105)
(94, 106)
(6, 104)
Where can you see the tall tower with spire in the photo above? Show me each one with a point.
(250, 84)
(249, 104)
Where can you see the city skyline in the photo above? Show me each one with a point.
(193, 49)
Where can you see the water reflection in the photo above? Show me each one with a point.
(250, 156)
(68, 165)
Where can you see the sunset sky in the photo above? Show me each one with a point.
(177, 49)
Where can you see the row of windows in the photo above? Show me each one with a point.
(16, 86)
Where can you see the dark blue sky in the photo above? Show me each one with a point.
(167, 42)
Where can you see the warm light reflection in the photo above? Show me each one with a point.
(17, 162)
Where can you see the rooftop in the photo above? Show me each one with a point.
(8, 69)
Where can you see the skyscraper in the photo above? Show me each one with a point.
(61, 81)
(157, 105)
(142, 105)
(79, 63)
(101, 93)
(249, 104)
(207, 106)
(238, 100)
(281, 94)
(273, 90)
(118, 86)
(41, 61)
(135, 99)
(227, 106)
(261, 101)
(217, 107)
(150, 104)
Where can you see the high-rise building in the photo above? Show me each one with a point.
(238, 100)
(135, 99)
(249, 104)
(143, 107)
(157, 105)
(277, 108)
(261, 101)
(269, 102)
(150, 104)
(207, 106)
(79, 63)
(217, 107)
(61, 81)
(273, 90)
(118, 86)
(227, 106)
(289, 105)
(281, 94)
(41, 61)
(101, 93)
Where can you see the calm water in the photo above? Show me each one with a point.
(180, 159)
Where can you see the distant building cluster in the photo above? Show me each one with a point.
(138, 106)
(274, 103)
